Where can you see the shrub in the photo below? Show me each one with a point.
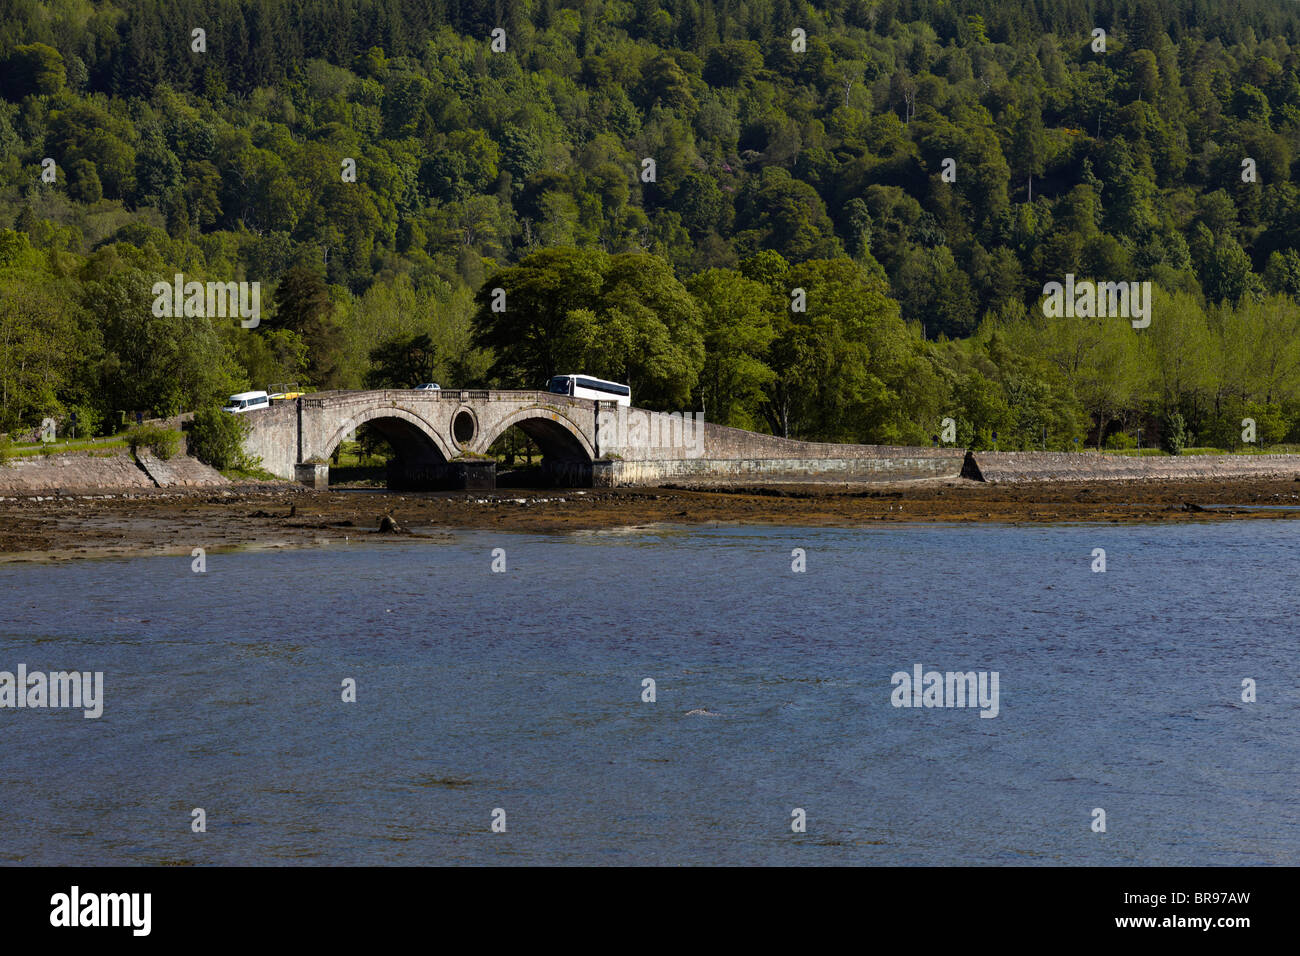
(89, 421)
(217, 438)
(162, 442)
(1173, 434)
(6, 449)
(1120, 441)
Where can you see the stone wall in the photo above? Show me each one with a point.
(180, 471)
(78, 472)
(84, 473)
(722, 471)
(1028, 466)
(273, 437)
(639, 435)
(724, 442)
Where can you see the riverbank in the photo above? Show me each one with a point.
(287, 516)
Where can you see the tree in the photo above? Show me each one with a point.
(839, 364)
(737, 331)
(1173, 433)
(665, 84)
(402, 363)
(647, 331)
(1028, 144)
(1176, 351)
(1226, 273)
(160, 364)
(732, 63)
(34, 68)
(301, 300)
(83, 182)
(525, 326)
(42, 342)
(303, 306)
(1100, 361)
(776, 211)
(1145, 75)
(1283, 273)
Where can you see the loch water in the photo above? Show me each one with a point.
(479, 691)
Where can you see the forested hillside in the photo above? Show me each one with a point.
(650, 183)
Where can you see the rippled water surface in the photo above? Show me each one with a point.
(522, 691)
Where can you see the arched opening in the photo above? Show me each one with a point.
(386, 452)
(537, 452)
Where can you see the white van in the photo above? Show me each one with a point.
(584, 386)
(247, 402)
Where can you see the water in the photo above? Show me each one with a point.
(522, 691)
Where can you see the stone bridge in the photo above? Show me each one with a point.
(441, 439)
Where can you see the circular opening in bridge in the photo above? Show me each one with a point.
(463, 427)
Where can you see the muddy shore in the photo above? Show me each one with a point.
(287, 516)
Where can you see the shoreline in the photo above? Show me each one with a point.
(57, 528)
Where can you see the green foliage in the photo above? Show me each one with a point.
(303, 307)
(622, 317)
(34, 68)
(522, 170)
(1173, 434)
(160, 364)
(161, 442)
(1271, 426)
(248, 468)
(402, 363)
(216, 438)
(737, 317)
(89, 421)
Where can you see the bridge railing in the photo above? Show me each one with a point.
(375, 396)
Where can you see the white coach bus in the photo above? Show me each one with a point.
(583, 386)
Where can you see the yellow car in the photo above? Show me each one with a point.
(284, 392)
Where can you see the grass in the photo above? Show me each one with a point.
(163, 443)
(351, 456)
(248, 474)
(1134, 452)
(357, 470)
(521, 461)
(29, 449)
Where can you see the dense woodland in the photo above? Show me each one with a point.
(774, 170)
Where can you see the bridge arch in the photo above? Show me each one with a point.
(557, 435)
(411, 436)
